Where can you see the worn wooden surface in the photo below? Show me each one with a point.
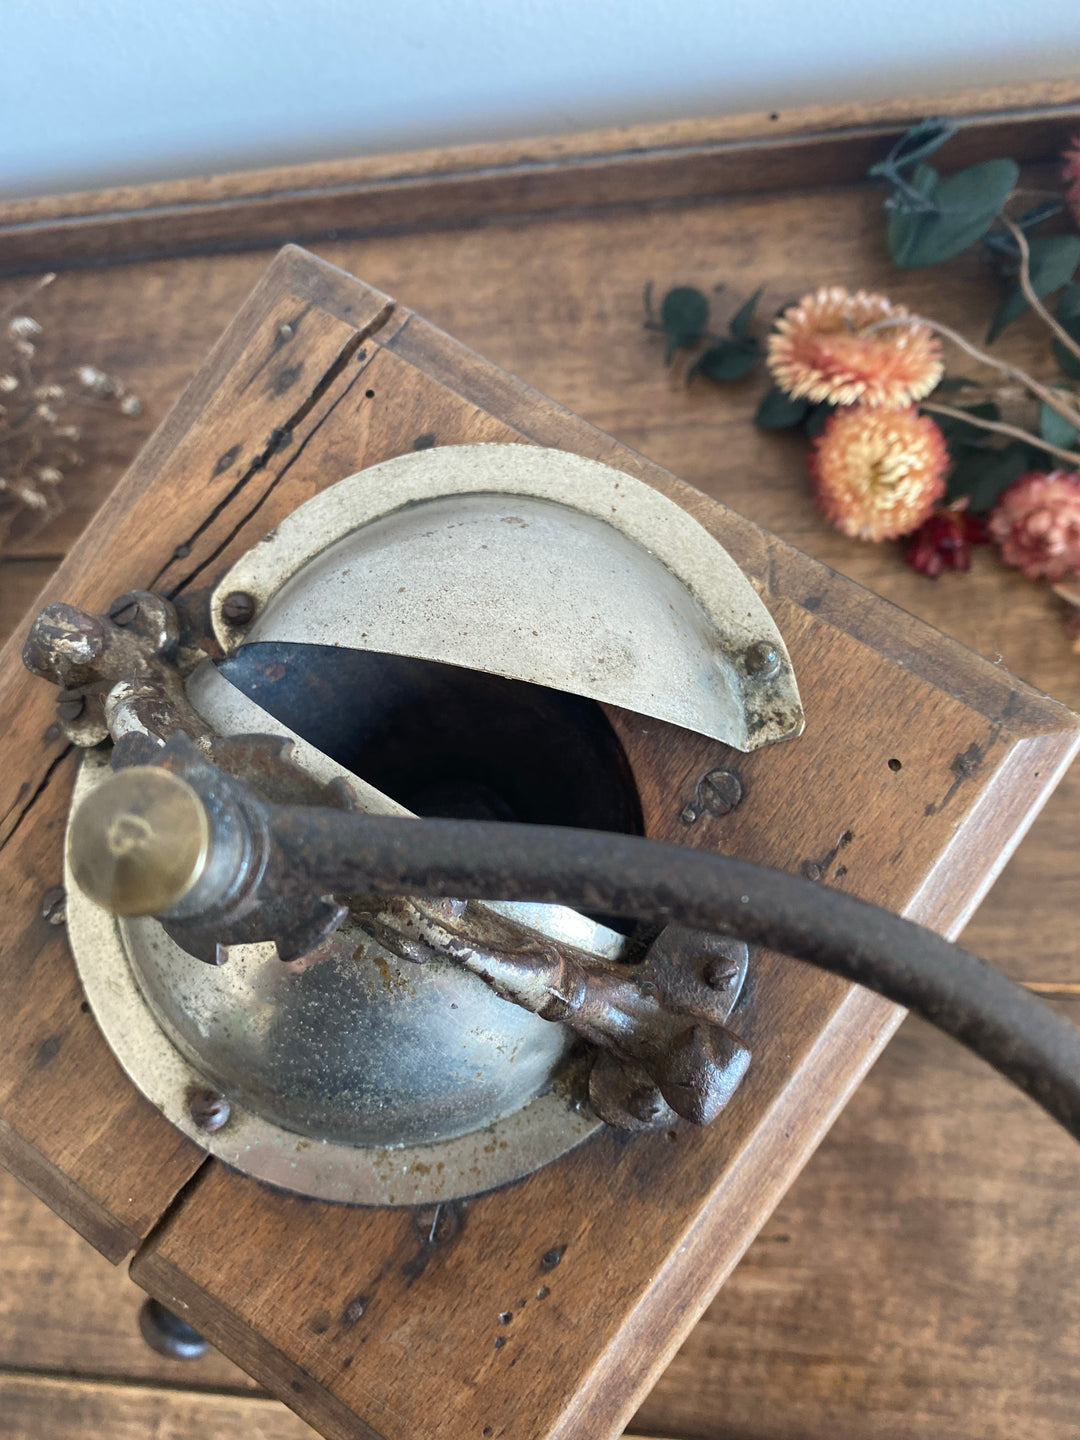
(668, 162)
(564, 312)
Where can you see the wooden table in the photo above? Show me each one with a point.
(915, 1281)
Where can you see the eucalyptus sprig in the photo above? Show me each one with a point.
(684, 320)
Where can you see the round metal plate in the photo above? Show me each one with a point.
(533, 564)
(506, 1150)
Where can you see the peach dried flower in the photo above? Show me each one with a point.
(876, 473)
(826, 348)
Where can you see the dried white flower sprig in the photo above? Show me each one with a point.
(38, 437)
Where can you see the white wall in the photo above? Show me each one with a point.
(96, 92)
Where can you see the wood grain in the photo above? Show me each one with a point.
(65, 1309)
(915, 1282)
(55, 1408)
(473, 185)
(558, 301)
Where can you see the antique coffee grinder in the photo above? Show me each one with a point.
(434, 637)
(423, 822)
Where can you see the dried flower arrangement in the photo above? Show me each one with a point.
(897, 448)
(38, 435)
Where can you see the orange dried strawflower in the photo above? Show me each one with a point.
(877, 474)
(820, 349)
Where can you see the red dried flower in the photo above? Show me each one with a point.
(877, 474)
(1070, 173)
(944, 540)
(1037, 524)
(826, 348)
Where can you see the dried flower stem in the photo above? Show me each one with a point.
(19, 303)
(35, 436)
(1029, 289)
(1000, 428)
(1047, 396)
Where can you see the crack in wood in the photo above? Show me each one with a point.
(19, 816)
(277, 436)
(245, 519)
(120, 1381)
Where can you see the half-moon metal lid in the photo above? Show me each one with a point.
(534, 564)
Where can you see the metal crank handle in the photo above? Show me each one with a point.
(313, 850)
(217, 864)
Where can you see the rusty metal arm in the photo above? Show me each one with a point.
(1009, 1027)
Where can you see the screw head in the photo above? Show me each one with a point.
(762, 658)
(71, 708)
(720, 791)
(238, 608)
(124, 611)
(54, 906)
(646, 1105)
(718, 973)
(209, 1110)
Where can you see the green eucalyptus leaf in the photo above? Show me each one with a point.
(904, 218)
(1068, 314)
(817, 419)
(1055, 427)
(726, 360)
(684, 315)
(983, 477)
(967, 204)
(778, 411)
(1053, 263)
(918, 142)
(740, 323)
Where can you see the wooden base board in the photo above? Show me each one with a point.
(644, 1230)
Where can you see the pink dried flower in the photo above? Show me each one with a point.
(1037, 524)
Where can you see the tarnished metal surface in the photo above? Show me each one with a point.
(117, 676)
(662, 1019)
(345, 1045)
(235, 1015)
(368, 1068)
(534, 564)
(664, 1016)
(232, 713)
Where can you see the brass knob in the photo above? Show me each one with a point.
(140, 842)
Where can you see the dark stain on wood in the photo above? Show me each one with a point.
(48, 1050)
(226, 461)
(285, 379)
(964, 766)
(819, 869)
